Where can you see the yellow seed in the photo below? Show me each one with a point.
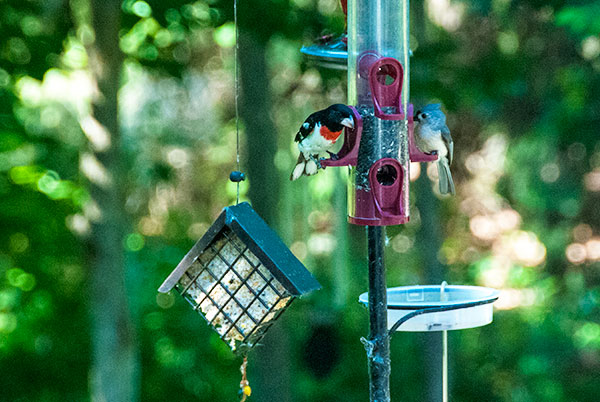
(247, 390)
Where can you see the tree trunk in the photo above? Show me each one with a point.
(272, 365)
(114, 371)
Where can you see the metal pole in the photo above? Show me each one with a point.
(444, 298)
(379, 341)
(377, 28)
(445, 366)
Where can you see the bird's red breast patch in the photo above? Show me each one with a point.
(328, 134)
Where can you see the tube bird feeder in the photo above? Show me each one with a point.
(378, 86)
(378, 67)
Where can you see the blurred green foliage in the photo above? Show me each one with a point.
(520, 81)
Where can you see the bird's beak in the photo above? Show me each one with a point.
(416, 116)
(348, 122)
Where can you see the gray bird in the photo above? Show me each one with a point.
(433, 136)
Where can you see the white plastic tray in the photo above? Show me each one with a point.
(406, 299)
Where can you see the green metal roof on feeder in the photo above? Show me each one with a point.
(240, 277)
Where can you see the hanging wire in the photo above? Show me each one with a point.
(236, 176)
(237, 93)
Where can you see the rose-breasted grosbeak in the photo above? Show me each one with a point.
(317, 135)
(432, 134)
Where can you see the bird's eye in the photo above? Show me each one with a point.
(423, 115)
(305, 125)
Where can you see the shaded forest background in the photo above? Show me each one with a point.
(117, 128)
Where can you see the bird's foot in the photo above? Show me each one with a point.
(332, 156)
(316, 160)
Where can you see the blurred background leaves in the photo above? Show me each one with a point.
(520, 82)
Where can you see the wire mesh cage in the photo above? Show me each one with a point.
(236, 294)
(240, 277)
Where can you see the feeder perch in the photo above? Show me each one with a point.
(240, 277)
(428, 308)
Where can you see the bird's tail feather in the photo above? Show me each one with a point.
(446, 182)
(304, 166)
(299, 168)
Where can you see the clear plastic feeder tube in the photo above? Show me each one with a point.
(377, 29)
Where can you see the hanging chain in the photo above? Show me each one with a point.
(245, 390)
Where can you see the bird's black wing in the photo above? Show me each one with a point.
(448, 141)
(307, 127)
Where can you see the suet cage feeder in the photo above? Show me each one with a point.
(240, 277)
